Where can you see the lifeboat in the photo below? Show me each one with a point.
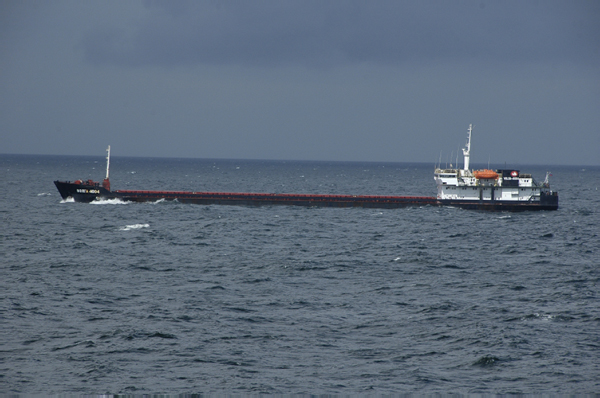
(485, 174)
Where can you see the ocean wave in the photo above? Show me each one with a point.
(134, 226)
(109, 202)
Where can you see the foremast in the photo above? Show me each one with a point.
(106, 182)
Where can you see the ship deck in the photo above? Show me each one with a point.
(247, 198)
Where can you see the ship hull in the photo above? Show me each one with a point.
(507, 206)
(89, 193)
(546, 202)
(85, 192)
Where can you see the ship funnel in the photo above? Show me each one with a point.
(467, 150)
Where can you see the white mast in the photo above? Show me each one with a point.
(107, 161)
(467, 150)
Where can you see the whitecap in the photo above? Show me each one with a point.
(44, 194)
(108, 202)
(134, 226)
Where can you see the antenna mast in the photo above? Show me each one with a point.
(467, 150)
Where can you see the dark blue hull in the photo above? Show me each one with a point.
(548, 201)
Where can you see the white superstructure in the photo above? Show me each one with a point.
(484, 187)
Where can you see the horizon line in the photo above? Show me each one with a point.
(293, 160)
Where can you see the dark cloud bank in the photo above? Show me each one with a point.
(328, 33)
(308, 80)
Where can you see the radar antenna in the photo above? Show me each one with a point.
(547, 179)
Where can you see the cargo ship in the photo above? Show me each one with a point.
(500, 190)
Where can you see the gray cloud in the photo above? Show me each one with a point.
(343, 80)
(328, 33)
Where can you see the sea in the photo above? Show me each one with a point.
(168, 298)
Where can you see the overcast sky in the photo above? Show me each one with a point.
(305, 80)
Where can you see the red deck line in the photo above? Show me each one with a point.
(270, 195)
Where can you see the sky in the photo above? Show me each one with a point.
(342, 80)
